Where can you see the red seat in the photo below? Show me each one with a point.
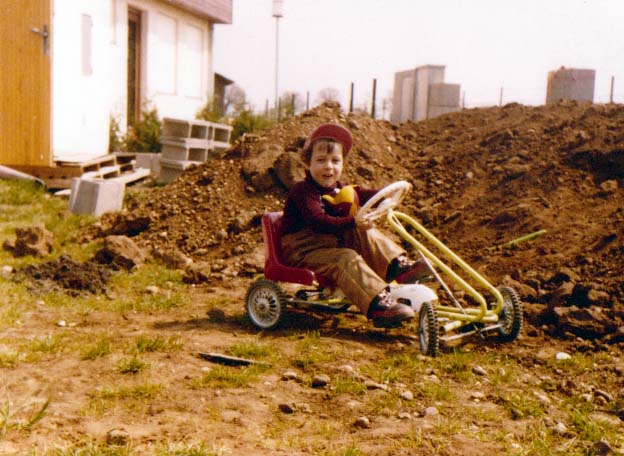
(274, 266)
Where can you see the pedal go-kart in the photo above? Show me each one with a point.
(502, 312)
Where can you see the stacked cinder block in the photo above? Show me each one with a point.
(188, 142)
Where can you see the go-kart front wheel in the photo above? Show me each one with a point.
(510, 317)
(428, 329)
(264, 302)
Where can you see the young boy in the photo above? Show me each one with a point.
(321, 234)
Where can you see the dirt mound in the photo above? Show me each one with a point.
(481, 177)
(67, 275)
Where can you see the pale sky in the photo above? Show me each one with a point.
(484, 44)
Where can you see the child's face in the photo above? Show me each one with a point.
(326, 163)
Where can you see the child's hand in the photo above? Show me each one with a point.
(363, 223)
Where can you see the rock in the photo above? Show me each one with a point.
(479, 371)
(598, 298)
(404, 416)
(242, 222)
(287, 408)
(431, 411)
(370, 385)
(6, 271)
(561, 356)
(477, 396)
(407, 395)
(561, 295)
(172, 259)
(31, 240)
(362, 422)
(588, 323)
(320, 381)
(289, 169)
(565, 274)
(347, 369)
(353, 405)
(604, 394)
(525, 291)
(609, 186)
(291, 375)
(353, 125)
(152, 289)
(602, 447)
(257, 169)
(61, 323)
(560, 428)
(117, 437)
(197, 273)
(120, 252)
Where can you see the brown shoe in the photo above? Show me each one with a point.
(404, 270)
(386, 313)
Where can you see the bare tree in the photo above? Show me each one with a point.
(328, 94)
(291, 103)
(235, 99)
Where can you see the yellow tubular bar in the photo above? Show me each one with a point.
(395, 218)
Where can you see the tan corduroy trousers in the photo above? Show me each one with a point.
(357, 262)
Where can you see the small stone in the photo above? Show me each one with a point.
(407, 395)
(290, 375)
(542, 398)
(479, 371)
(320, 381)
(603, 394)
(404, 416)
(6, 271)
(560, 428)
(477, 396)
(562, 356)
(61, 323)
(362, 422)
(586, 397)
(303, 407)
(602, 447)
(347, 369)
(431, 411)
(352, 405)
(118, 437)
(469, 175)
(516, 414)
(432, 378)
(152, 289)
(287, 408)
(370, 385)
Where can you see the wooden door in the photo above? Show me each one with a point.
(134, 66)
(25, 90)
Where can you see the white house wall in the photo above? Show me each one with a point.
(176, 73)
(80, 78)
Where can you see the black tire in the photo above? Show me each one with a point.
(265, 302)
(428, 330)
(510, 317)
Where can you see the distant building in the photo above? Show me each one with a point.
(220, 84)
(421, 94)
(570, 84)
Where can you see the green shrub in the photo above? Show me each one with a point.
(209, 112)
(144, 135)
(248, 122)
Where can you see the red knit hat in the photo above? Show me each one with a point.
(331, 131)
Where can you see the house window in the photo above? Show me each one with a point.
(87, 45)
(165, 55)
(190, 64)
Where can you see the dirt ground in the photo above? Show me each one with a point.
(481, 178)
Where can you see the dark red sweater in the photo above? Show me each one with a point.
(305, 208)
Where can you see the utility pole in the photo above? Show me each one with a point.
(351, 100)
(500, 97)
(307, 100)
(277, 14)
(611, 96)
(374, 96)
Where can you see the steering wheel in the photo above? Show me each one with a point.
(391, 195)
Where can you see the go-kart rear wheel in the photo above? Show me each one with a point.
(264, 302)
(428, 329)
(510, 317)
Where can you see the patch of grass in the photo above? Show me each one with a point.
(144, 344)
(48, 345)
(102, 347)
(10, 314)
(93, 449)
(131, 365)
(524, 403)
(255, 350)
(230, 377)
(22, 418)
(311, 351)
(349, 386)
(131, 396)
(435, 391)
(9, 359)
(182, 449)
(593, 430)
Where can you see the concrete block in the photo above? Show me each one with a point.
(149, 161)
(171, 169)
(95, 196)
(570, 84)
(183, 150)
(185, 128)
(441, 94)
